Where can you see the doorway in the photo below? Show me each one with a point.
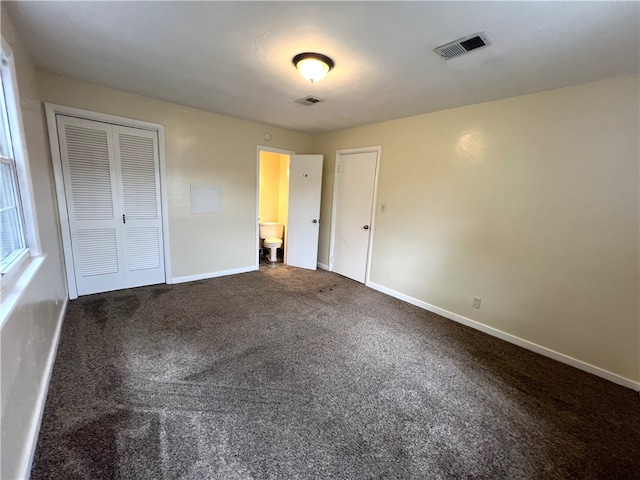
(273, 195)
(352, 223)
(289, 189)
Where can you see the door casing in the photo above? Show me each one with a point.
(51, 111)
(262, 148)
(374, 203)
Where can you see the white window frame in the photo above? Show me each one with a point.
(20, 271)
(13, 261)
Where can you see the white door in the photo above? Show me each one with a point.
(137, 162)
(353, 209)
(303, 224)
(113, 202)
(88, 168)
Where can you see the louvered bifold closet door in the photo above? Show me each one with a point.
(138, 167)
(90, 182)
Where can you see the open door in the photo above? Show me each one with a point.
(303, 227)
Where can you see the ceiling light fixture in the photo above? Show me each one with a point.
(313, 66)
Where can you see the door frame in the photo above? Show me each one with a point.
(262, 148)
(374, 201)
(51, 110)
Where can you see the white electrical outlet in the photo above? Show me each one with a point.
(476, 302)
(383, 207)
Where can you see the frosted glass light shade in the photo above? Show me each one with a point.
(313, 66)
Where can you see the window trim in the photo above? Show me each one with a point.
(20, 162)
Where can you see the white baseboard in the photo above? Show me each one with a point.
(221, 273)
(612, 377)
(36, 419)
(322, 266)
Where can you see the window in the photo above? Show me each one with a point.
(13, 245)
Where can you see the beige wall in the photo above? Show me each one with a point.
(269, 186)
(27, 337)
(530, 203)
(201, 147)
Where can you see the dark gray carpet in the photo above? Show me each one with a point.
(290, 374)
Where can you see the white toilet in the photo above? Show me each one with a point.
(271, 234)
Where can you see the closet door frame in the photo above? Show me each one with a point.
(51, 111)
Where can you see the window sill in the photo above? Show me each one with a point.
(13, 292)
(14, 265)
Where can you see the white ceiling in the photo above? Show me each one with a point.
(234, 58)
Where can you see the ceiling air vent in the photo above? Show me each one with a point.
(462, 45)
(310, 100)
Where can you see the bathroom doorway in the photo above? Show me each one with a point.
(289, 190)
(273, 195)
